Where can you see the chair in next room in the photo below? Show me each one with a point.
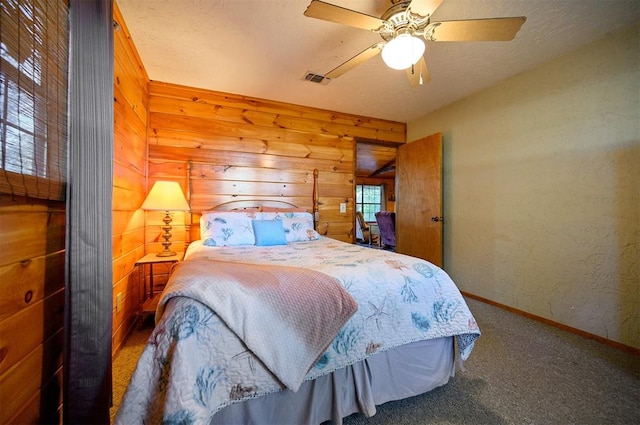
(363, 232)
(387, 224)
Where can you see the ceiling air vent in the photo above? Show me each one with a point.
(316, 78)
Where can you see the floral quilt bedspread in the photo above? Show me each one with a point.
(194, 365)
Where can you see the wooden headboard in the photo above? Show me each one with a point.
(193, 226)
(251, 204)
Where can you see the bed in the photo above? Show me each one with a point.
(267, 322)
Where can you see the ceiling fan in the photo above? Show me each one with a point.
(400, 27)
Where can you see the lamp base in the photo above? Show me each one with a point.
(166, 236)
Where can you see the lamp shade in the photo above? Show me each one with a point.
(403, 51)
(165, 196)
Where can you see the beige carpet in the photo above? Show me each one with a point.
(525, 372)
(125, 361)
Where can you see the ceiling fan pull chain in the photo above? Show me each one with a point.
(413, 72)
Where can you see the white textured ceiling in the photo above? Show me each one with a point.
(263, 48)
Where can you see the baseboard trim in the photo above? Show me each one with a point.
(576, 331)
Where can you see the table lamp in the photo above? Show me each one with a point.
(166, 196)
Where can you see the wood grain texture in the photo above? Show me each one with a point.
(28, 282)
(16, 343)
(352, 122)
(45, 406)
(31, 232)
(234, 147)
(130, 104)
(32, 240)
(419, 181)
(22, 382)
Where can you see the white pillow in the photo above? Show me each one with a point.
(228, 228)
(298, 226)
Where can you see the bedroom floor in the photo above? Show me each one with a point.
(374, 246)
(521, 371)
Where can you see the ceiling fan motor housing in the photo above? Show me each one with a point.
(402, 21)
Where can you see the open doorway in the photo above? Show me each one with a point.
(374, 186)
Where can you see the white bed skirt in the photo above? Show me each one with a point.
(395, 374)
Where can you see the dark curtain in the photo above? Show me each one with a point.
(88, 308)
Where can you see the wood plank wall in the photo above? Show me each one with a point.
(31, 309)
(129, 177)
(238, 148)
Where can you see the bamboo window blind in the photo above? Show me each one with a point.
(34, 60)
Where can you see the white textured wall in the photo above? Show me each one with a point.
(542, 189)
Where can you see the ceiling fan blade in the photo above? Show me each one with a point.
(340, 15)
(365, 55)
(497, 29)
(424, 7)
(418, 74)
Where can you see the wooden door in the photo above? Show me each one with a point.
(419, 199)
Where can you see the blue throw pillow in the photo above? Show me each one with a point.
(269, 232)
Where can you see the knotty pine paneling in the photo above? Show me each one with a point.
(48, 313)
(235, 147)
(131, 288)
(390, 131)
(129, 177)
(31, 232)
(31, 280)
(123, 267)
(45, 406)
(226, 158)
(24, 381)
(32, 236)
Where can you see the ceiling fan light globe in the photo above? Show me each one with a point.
(403, 51)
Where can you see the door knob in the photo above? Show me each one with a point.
(436, 219)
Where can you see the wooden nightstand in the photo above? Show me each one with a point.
(149, 298)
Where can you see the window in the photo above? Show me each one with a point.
(368, 200)
(33, 98)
